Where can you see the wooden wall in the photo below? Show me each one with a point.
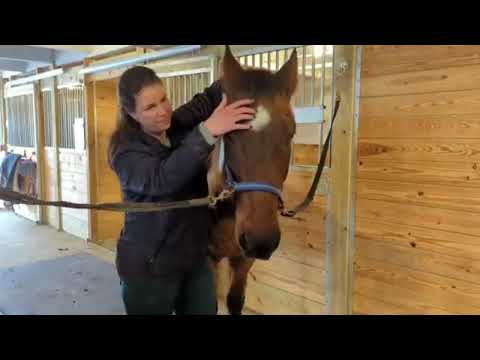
(418, 229)
(106, 187)
(51, 213)
(73, 179)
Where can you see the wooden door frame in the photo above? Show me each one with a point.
(342, 180)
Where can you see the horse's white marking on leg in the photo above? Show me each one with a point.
(262, 119)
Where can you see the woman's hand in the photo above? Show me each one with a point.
(225, 118)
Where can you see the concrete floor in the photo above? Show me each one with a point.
(46, 272)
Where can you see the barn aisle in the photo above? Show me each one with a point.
(46, 272)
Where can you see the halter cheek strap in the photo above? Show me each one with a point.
(221, 156)
(240, 187)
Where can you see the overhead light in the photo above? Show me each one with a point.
(9, 74)
(318, 50)
(18, 90)
(26, 80)
(70, 86)
(177, 50)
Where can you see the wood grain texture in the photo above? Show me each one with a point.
(428, 150)
(418, 181)
(439, 126)
(465, 175)
(418, 237)
(107, 188)
(366, 304)
(438, 103)
(420, 259)
(434, 196)
(299, 279)
(264, 298)
(109, 227)
(427, 81)
(306, 155)
(51, 214)
(433, 218)
(307, 134)
(395, 59)
(420, 292)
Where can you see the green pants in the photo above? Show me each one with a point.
(190, 293)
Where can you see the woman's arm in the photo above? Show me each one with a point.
(199, 109)
(208, 110)
(141, 173)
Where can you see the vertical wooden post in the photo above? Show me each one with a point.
(341, 200)
(3, 114)
(40, 148)
(56, 142)
(213, 69)
(90, 127)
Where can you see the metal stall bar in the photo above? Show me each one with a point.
(39, 129)
(3, 114)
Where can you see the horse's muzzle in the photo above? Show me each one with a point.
(259, 248)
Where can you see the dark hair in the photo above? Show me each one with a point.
(131, 83)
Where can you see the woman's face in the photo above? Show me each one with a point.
(153, 110)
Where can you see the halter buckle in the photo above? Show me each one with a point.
(224, 195)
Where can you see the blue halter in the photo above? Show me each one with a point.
(240, 187)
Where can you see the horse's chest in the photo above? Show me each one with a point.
(222, 242)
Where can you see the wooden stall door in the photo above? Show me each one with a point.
(418, 229)
(107, 225)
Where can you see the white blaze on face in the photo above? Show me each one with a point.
(261, 120)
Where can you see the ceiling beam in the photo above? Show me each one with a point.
(151, 47)
(67, 57)
(98, 50)
(27, 53)
(73, 48)
(12, 65)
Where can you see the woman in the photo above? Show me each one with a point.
(160, 155)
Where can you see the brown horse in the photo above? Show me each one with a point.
(247, 227)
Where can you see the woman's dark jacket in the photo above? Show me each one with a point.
(160, 243)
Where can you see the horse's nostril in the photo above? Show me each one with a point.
(243, 242)
(263, 252)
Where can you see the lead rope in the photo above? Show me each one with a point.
(210, 201)
(321, 165)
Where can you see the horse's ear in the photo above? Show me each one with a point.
(232, 70)
(287, 76)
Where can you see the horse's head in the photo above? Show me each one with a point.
(262, 154)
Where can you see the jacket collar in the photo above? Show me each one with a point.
(169, 142)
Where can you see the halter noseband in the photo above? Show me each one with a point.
(240, 187)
